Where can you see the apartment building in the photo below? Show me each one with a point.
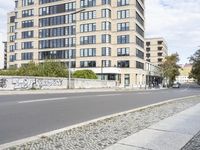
(156, 50)
(106, 36)
(5, 54)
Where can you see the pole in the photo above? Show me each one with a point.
(69, 73)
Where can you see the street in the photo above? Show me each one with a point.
(23, 116)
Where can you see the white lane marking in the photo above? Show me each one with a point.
(62, 98)
(143, 93)
(42, 100)
(109, 95)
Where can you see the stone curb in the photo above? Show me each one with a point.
(29, 139)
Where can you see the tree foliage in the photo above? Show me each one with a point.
(86, 74)
(171, 68)
(49, 68)
(195, 60)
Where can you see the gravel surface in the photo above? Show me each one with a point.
(101, 134)
(193, 144)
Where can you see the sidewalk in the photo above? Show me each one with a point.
(70, 91)
(172, 133)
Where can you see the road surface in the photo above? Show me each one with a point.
(23, 116)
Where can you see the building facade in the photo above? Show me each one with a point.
(5, 54)
(105, 36)
(156, 50)
(184, 74)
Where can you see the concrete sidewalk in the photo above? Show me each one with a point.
(169, 134)
(71, 91)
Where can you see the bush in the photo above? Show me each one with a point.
(86, 74)
(47, 69)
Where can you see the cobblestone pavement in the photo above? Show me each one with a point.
(193, 144)
(101, 134)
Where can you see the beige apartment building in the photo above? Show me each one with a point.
(156, 50)
(106, 36)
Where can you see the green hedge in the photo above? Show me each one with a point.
(86, 74)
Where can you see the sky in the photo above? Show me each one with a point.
(178, 21)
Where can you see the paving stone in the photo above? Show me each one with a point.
(157, 140)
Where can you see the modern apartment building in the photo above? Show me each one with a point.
(106, 36)
(156, 50)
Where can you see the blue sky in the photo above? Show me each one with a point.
(178, 21)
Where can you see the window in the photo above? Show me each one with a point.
(139, 65)
(59, 54)
(139, 42)
(104, 2)
(148, 43)
(139, 54)
(122, 2)
(123, 39)
(26, 56)
(123, 26)
(139, 7)
(48, 1)
(53, 32)
(27, 34)
(123, 14)
(106, 25)
(70, 6)
(106, 13)
(52, 10)
(106, 51)
(148, 49)
(87, 40)
(12, 58)
(12, 29)
(12, 19)
(27, 45)
(27, 13)
(85, 64)
(123, 64)
(88, 3)
(139, 30)
(123, 52)
(13, 47)
(88, 15)
(160, 54)
(160, 42)
(160, 60)
(27, 2)
(160, 48)
(127, 79)
(88, 27)
(88, 52)
(139, 19)
(106, 63)
(148, 55)
(27, 23)
(106, 38)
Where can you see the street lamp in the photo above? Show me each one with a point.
(70, 53)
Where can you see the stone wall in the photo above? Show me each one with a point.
(26, 83)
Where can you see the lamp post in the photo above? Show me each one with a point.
(70, 54)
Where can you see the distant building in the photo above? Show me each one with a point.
(156, 50)
(1, 52)
(5, 55)
(184, 74)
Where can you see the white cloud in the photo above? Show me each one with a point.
(177, 21)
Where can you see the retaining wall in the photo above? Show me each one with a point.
(25, 83)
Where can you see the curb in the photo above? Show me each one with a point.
(39, 136)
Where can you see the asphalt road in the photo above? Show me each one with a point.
(23, 116)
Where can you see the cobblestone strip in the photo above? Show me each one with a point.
(101, 134)
(193, 144)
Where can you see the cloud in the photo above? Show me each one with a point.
(176, 21)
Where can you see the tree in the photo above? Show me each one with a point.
(195, 60)
(170, 68)
(49, 68)
(86, 74)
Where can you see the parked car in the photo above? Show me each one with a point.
(176, 85)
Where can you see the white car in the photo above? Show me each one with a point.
(176, 85)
